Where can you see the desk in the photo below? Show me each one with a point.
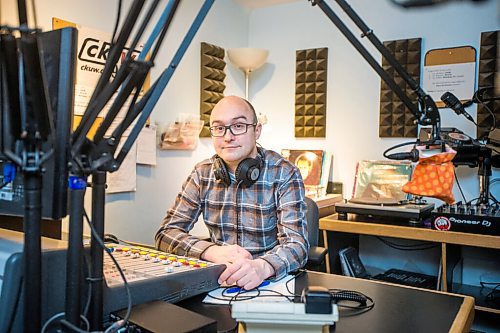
(446, 238)
(326, 204)
(397, 308)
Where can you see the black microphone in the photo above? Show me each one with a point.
(454, 103)
(412, 156)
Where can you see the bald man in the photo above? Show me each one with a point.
(252, 201)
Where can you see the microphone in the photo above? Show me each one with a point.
(452, 102)
(412, 156)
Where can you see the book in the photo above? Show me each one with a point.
(309, 163)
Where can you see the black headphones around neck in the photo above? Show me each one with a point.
(247, 172)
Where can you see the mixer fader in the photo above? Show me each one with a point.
(154, 275)
(139, 263)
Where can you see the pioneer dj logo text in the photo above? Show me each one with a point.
(444, 224)
(96, 51)
(473, 222)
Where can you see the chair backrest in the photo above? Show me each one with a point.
(312, 217)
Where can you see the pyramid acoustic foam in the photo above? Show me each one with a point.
(396, 120)
(489, 77)
(212, 82)
(310, 93)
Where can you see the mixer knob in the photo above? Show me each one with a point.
(169, 269)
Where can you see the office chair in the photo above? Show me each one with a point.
(317, 254)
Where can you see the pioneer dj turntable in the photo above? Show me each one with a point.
(406, 213)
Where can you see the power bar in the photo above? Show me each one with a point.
(260, 317)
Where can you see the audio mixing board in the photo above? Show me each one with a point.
(155, 275)
(152, 275)
(477, 219)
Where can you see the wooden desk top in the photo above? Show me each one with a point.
(332, 223)
(397, 308)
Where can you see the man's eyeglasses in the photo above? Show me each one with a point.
(235, 129)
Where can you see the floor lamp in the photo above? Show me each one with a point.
(247, 59)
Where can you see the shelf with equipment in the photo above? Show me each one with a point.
(338, 234)
(326, 204)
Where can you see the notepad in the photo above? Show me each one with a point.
(264, 293)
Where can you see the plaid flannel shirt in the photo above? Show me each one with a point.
(267, 219)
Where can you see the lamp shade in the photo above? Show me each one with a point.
(247, 58)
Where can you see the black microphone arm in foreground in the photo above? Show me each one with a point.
(100, 154)
(27, 141)
(427, 114)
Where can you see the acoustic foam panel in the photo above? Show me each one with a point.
(310, 93)
(489, 64)
(212, 82)
(396, 120)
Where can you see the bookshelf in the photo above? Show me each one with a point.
(344, 233)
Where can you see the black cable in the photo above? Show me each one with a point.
(86, 260)
(493, 181)
(122, 322)
(119, 324)
(494, 125)
(365, 303)
(408, 247)
(483, 284)
(459, 186)
(492, 298)
(399, 146)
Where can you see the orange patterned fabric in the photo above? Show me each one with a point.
(433, 177)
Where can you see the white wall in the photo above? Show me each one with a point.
(353, 94)
(353, 87)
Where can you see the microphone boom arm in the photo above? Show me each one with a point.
(428, 113)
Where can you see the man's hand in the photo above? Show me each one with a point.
(225, 254)
(246, 273)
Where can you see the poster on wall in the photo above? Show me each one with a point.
(92, 52)
(450, 70)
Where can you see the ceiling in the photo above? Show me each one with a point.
(261, 3)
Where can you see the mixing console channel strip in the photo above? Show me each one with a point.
(482, 219)
(155, 275)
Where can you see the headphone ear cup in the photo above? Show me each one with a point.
(248, 171)
(220, 171)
